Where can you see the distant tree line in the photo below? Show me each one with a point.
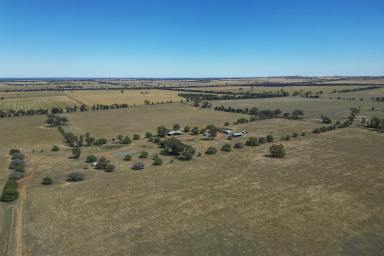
(229, 96)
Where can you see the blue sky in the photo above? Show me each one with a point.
(196, 38)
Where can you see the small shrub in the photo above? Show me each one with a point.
(136, 136)
(226, 124)
(287, 137)
(195, 131)
(252, 141)
(47, 181)
(295, 134)
(316, 130)
(91, 159)
(16, 175)
(277, 151)
(143, 154)
(127, 158)
(303, 134)
(269, 138)
(100, 142)
(138, 166)
(262, 140)
(148, 135)
(211, 151)
(55, 148)
(75, 176)
(226, 147)
(187, 129)
(102, 163)
(110, 168)
(14, 151)
(239, 145)
(157, 160)
(126, 140)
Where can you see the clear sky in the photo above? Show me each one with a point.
(195, 38)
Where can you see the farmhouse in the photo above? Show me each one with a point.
(238, 134)
(227, 131)
(174, 133)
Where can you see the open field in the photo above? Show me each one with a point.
(145, 118)
(313, 108)
(37, 103)
(323, 199)
(130, 97)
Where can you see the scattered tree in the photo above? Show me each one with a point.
(277, 151)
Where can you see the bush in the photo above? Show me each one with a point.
(269, 138)
(138, 166)
(16, 175)
(316, 130)
(75, 176)
(47, 181)
(20, 168)
(55, 148)
(252, 141)
(148, 135)
(239, 145)
(277, 151)
(102, 163)
(10, 191)
(187, 153)
(91, 159)
(126, 140)
(226, 124)
(287, 137)
(157, 160)
(226, 147)
(136, 136)
(195, 131)
(110, 168)
(303, 134)
(143, 154)
(127, 158)
(262, 140)
(323, 129)
(14, 151)
(100, 142)
(187, 129)
(295, 134)
(76, 151)
(211, 151)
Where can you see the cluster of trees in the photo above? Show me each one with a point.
(176, 148)
(55, 120)
(17, 167)
(375, 123)
(259, 114)
(254, 141)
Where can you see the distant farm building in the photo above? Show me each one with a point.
(174, 133)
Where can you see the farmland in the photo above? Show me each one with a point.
(323, 198)
(130, 97)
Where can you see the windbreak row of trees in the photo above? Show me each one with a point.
(17, 168)
(262, 113)
(222, 96)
